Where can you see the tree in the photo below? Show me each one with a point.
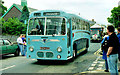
(13, 27)
(3, 9)
(25, 14)
(115, 17)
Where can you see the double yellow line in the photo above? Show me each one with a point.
(97, 52)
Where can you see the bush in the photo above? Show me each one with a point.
(13, 27)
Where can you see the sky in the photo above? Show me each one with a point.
(99, 10)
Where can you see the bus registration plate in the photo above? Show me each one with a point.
(44, 48)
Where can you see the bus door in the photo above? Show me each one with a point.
(69, 36)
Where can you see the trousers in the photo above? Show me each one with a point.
(113, 64)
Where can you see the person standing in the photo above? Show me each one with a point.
(20, 43)
(118, 35)
(25, 47)
(24, 44)
(23, 36)
(112, 53)
(104, 48)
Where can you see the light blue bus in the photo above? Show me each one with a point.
(96, 33)
(56, 35)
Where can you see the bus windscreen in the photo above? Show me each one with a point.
(48, 26)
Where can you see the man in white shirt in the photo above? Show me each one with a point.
(20, 44)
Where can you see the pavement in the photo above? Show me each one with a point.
(97, 67)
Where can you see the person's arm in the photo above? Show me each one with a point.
(109, 51)
(111, 45)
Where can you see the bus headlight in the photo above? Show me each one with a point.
(58, 56)
(59, 49)
(31, 49)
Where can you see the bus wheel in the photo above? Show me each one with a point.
(38, 60)
(74, 55)
(86, 50)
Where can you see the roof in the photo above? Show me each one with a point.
(19, 7)
(69, 15)
(96, 26)
(29, 8)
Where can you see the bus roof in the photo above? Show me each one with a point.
(59, 13)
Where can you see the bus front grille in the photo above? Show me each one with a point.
(40, 54)
(49, 54)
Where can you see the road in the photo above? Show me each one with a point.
(21, 64)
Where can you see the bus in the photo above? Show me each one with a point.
(62, 36)
(96, 33)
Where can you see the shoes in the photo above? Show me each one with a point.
(106, 70)
(119, 70)
(23, 55)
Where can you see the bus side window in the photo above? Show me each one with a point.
(82, 25)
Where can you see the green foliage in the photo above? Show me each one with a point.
(25, 14)
(13, 27)
(3, 9)
(1, 23)
(115, 17)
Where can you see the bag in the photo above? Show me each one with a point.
(105, 45)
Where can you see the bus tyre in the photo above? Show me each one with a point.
(86, 50)
(17, 53)
(74, 55)
(38, 60)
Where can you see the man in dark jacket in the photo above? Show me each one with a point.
(112, 54)
(118, 35)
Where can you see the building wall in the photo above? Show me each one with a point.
(14, 12)
(119, 3)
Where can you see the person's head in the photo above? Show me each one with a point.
(20, 35)
(23, 35)
(118, 30)
(110, 29)
(39, 23)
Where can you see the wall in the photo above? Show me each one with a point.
(12, 38)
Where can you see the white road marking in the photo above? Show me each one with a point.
(93, 64)
(7, 68)
(96, 62)
(33, 59)
(100, 65)
(99, 68)
(102, 62)
(91, 68)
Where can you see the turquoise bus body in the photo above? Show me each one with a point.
(45, 47)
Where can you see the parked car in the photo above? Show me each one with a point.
(7, 47)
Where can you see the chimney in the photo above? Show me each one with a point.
(23, 3)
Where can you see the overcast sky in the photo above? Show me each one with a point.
(88, 9)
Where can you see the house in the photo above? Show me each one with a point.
(16, 10)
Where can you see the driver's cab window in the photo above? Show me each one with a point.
(6, 42)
